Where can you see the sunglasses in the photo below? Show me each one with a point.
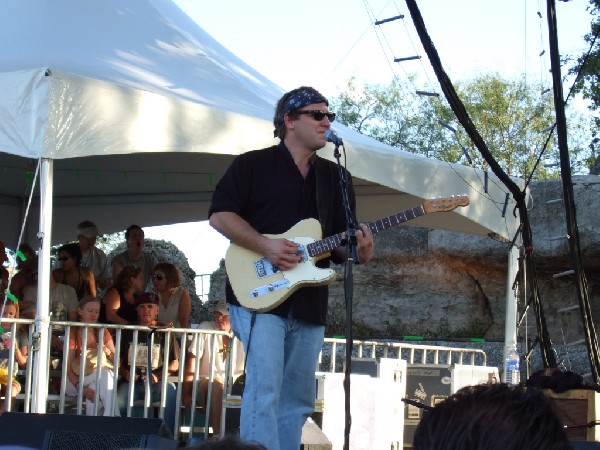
(318, 115)
(158, 276)
(64, 258)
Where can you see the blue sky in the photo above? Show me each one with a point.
(324, 43)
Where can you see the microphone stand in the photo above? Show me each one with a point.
(351, 257)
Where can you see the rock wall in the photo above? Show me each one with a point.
(451, 285)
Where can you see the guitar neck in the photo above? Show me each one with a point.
(327, 244)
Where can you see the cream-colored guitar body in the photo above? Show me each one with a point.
(261, 287)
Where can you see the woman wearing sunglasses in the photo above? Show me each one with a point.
(72, 274)
(175, 303)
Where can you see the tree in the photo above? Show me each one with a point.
(394, 115)
(587, 68)
(513, 117)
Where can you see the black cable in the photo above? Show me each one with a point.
(591, 339)
(460, 111)
(417, 404)
(579, 72)
(243, 383)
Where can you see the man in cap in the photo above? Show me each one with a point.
(202, 347)
(266, 192)
(136, 357)
(93, 257)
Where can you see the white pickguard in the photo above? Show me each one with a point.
(253, 291)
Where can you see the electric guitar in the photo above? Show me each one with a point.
(261, 286)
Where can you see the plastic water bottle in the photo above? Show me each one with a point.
(512, 373)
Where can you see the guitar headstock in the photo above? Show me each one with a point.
(445, 204)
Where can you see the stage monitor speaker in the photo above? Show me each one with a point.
(82, 440)
(41, 431)
(363, 366)
(375, 405)
(428, 384)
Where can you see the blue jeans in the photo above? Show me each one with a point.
(139, 393)
(279, 394)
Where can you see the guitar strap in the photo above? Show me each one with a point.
(324, 188)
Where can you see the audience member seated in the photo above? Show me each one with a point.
(175, 305)
(134, 366)
(63, 307)
(492, 417)
(119, 300)
(8, 339)
(134, 255)
(202, 347)
(24, 276)
(72, 274)
(92, 257)
(89, 311)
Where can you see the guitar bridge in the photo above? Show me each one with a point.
(268, 288)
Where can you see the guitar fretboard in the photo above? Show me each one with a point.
(327, 244)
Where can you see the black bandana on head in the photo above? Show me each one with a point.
(299, 99)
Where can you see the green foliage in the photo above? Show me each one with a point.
(105, 242)
(394, 115)
(513, 117)
(587, 67)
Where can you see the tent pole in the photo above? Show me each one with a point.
(510, 324)
(41, 341)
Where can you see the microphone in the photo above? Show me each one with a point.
(331, 136)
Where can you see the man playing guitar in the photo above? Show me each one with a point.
(263, 193)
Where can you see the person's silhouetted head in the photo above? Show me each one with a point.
(229, 443)
(492, 417)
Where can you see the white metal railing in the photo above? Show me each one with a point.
(59, 402)
(332, 356)
(331, 360)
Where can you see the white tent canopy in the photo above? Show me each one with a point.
(141, 111)
(133, 113)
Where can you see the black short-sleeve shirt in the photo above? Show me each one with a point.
(265, 188)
